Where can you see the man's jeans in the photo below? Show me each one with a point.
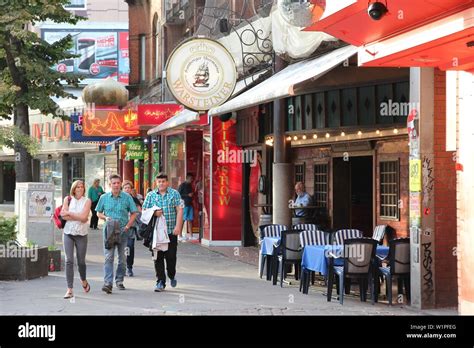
(109, 261)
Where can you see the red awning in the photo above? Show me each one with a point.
(398, 38)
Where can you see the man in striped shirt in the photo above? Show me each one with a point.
(171, 204)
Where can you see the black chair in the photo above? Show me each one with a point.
(358, 255)
(311, 237)
(271, 230)
(398, 267)
(289, 253)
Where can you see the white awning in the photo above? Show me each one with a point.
(187, 116)
(184, 117)
(283, 83)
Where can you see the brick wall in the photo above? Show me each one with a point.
(392, 151)
(445, 202)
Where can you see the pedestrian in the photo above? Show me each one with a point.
(186, 192)
(75, 211)
(127, 187)
(171, 206)
(94, 193)
(118, 209)
(136, 195)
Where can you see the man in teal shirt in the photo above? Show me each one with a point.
(94, 193)
(116, 206)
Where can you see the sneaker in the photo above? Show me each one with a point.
(160, 286)
(182, 239)
(120, 286)
(107, 288)
(173, 283)
(129, 272)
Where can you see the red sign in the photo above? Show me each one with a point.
(156, 114)
(107, 121)
(226, 182)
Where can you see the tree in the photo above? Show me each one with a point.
(26, 78)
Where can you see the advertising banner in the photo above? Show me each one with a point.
(156, 114)
(109, 122)
(226, 182)
(76, 132)
(134, 150)
(101, 53)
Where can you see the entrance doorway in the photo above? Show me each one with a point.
(353, 194)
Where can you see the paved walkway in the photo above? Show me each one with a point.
(209, 283)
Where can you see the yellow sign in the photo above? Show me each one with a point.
(415, 175)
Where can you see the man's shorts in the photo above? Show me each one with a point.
(188, 213)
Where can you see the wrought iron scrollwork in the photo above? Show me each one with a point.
(258, 56)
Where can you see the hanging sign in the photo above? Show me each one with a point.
(134, 150)
(201, 74)
(156, 114)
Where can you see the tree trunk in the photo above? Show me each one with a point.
(23, 160)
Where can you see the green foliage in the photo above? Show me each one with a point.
(52, 248)
(7, 230)
(31, 244)
(26, 76)
(9, 135)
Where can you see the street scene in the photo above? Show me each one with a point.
(237, 158)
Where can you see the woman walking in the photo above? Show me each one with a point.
(75, 211)
(94, 193)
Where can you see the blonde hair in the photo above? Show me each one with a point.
(74, 186)
(127, 182)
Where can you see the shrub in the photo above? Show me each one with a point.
(7, 230)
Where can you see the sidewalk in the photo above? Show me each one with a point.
(209, 283)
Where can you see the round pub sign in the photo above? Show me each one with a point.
(201, 74)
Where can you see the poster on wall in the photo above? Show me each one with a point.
(40, 204)
(101, 53)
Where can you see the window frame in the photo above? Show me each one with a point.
(316, 194)
(383, 205)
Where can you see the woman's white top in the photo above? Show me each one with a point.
(76, 228)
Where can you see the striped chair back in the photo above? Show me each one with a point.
(342, 235)
(273, 230)
(312, 237)
(306, 227)
(379, 233)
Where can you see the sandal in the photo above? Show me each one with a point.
(86, 288)
(68, 295)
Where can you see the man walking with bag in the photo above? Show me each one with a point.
(169, 200)
(118, 209)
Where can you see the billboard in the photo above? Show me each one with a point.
(101, 53)
(109, 122)
(76, 132)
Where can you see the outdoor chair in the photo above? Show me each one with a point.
(289, 254)
(379, 233)
(341, 235)
(358, 255)
(272, 230)
(306, 227)
(311, 237)
(398, 267)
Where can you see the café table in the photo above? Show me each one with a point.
(316, 257)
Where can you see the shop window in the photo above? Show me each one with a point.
(389, 189)
(321, 185)
(142, 58)
(299, 172)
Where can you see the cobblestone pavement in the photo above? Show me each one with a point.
(209, 283)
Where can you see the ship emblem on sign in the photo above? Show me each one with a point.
(201, 77)
(201, 74)
(94, 69)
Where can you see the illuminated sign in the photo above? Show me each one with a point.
(110, 122)
(156, 114)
